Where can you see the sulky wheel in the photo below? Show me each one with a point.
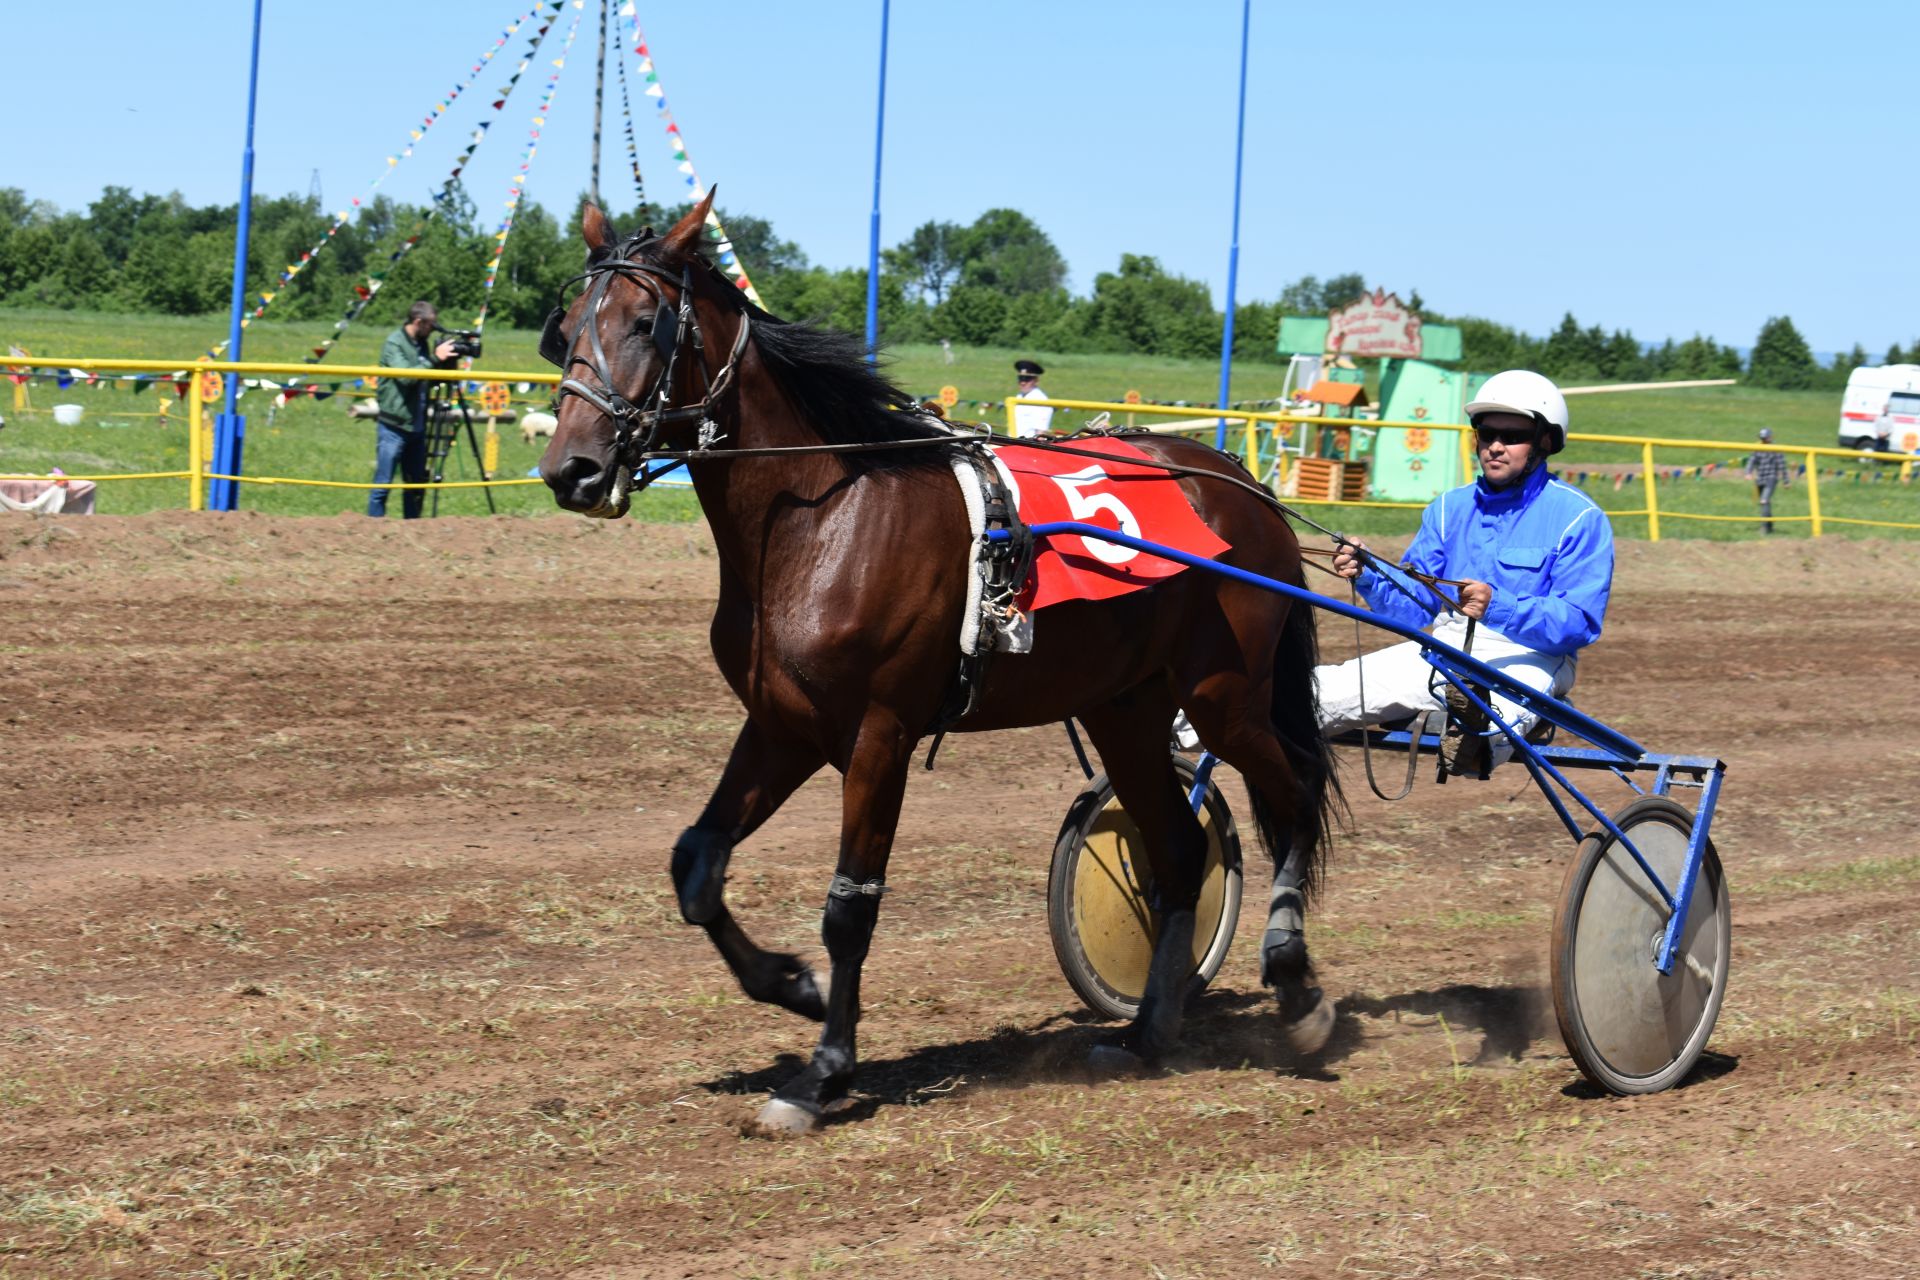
(1097, 895)
(1629, 1029)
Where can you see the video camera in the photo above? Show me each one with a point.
(466, 342)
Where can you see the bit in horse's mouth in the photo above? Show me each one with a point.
(618, 499)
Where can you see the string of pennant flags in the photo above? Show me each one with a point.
(364, 293)
(722, 246)
(517, 185)
(626, 115)
(546, 13)
(343, 216)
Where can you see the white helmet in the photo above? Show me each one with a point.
(1529, 394)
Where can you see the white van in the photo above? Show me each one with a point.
(1882, 409)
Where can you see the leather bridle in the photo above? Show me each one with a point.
(637, 424)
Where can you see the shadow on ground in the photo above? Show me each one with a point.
(1225, 1030)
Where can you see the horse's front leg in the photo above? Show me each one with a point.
(876, 781)
(760, 774)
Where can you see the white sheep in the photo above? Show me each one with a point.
(534, 423)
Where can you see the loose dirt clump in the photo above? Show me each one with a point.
(336, 940)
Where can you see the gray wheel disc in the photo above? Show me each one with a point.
(1629, 1028)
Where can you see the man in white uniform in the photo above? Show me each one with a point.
(1030, 420)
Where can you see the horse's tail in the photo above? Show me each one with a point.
(1318, 801)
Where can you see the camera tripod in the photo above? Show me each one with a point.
(447, 417)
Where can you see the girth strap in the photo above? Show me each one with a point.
(1000, 566)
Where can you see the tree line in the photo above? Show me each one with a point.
(999, 280)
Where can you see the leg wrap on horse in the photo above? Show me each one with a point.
(1283, 951)
(700, 860)
(852, 911)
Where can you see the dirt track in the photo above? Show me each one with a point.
(335, 940)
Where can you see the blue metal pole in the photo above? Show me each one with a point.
(873, 238)
(1233, 253)
(230, 429)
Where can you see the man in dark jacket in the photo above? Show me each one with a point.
(403, 410)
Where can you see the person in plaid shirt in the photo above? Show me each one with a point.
(1768, 471)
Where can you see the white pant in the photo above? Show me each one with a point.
(1397, 678)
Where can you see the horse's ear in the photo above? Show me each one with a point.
(595, 229)
(684, 238)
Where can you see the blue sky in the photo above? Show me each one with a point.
(1666, 168)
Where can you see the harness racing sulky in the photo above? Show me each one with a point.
(849, 562)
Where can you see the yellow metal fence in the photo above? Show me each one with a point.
(200, 431)
(1246, 429)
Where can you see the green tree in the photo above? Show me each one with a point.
(1311, 296)
(1342, 290)
(930, 259)
(1005, 250)
(1572, 353)
(1031, 315)
(83, 276)
(1301, 298)
(1780, 358)
(1142, 308)
(972, 314)
(1489, 345)
(115, 219)
(1256, 331)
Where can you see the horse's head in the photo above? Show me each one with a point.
(630, 348)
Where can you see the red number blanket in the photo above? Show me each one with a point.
(1115, 492)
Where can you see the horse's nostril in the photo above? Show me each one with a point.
(574, 474)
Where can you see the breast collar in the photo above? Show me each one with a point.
(637, 424)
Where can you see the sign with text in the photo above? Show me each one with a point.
(1379, 324)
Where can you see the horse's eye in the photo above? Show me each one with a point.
(643, 324)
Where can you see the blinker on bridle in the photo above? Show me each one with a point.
(637, 424)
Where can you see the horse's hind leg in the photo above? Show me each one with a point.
(1131, 735)
(759, 776)
(1233, 708)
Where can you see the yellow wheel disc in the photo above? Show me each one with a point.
(1103, 928)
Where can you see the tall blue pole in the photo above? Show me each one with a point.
(230, 429)
(1233, 253)
(873, 238)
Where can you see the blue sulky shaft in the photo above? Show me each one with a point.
(1458, 666)
(1567, 717)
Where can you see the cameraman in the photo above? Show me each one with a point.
(403, 409)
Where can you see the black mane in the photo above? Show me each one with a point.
(825, 372)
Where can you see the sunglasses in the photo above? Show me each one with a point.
(1027, 377)
(1505, 435)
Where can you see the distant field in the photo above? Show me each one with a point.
(316, 440)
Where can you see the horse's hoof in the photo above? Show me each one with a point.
(1115, 1060)
(781, 1116)
(1308, 1033)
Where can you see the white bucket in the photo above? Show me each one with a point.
(68, 415)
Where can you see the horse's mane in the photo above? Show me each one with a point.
(826, 374)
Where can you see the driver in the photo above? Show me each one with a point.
(1536, 556)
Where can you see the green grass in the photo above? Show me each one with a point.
(316, 440)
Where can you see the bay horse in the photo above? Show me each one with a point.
(843, 578)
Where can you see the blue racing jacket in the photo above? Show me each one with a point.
(1543, 546)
